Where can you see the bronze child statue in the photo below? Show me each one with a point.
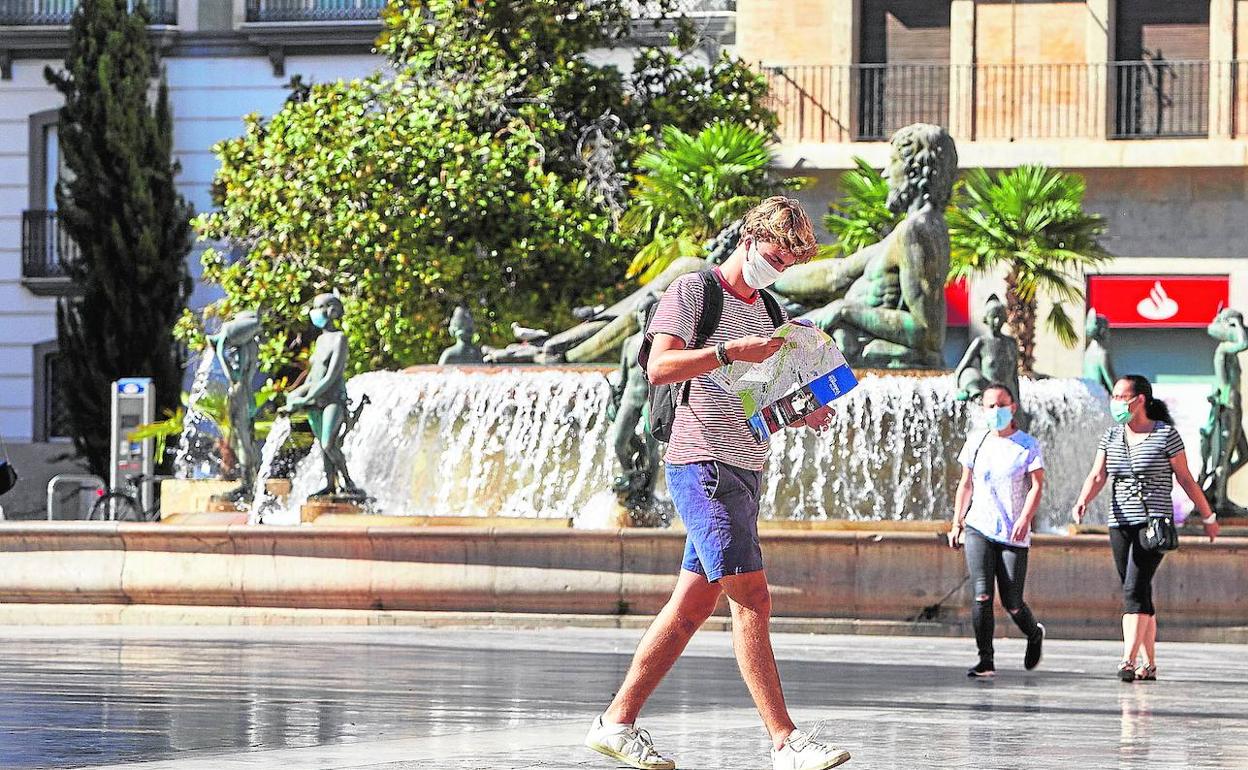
(1097, 365)
(237, 349)
(464, 351)
(636, 450)
(323, 395)
(991, 357)
(1223, 446)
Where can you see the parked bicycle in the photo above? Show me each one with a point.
(125, 504)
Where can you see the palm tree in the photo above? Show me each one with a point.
(1031, 221)
(861, 217)
(694, 186)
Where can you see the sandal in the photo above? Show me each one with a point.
(1126, 671)
(1146, 673)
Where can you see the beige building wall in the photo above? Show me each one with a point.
(795, 32)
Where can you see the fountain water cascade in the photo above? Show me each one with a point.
(531, 442)
(197, 456)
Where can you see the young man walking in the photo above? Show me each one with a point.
(714, 471)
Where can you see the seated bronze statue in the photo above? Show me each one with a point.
(885, 304)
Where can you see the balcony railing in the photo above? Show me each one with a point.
(1161, 99)
(57, 13)
(1004, 102)
(896, 95)
(46, 247)
(314, 10)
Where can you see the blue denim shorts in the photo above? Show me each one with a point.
(718, 504)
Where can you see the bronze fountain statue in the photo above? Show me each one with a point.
(991, 357)
(1097, 365)
(323, 395)
(237, 349)
(1223, 446)
(636, 450)
(885, 304)
(465, 350)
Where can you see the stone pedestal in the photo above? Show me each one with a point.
(190, 495)
(337, 504)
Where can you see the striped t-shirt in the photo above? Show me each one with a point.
(1150, 461)
(711, 426)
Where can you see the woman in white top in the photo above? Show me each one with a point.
(1002, 478)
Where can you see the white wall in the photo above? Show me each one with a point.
(209, 96)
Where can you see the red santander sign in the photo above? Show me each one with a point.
(1158, 301)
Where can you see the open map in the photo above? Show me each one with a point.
(809, 371)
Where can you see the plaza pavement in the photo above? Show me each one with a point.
(229, 698)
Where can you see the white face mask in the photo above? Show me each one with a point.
(757, 271)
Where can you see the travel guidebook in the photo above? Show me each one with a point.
(808, 372)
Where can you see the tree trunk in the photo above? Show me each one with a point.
(1022, 319)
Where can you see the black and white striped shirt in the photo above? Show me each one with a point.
(1140, 475)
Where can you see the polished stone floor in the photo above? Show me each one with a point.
(222, 698)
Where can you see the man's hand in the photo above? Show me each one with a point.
(753, 349)
(1019, 532)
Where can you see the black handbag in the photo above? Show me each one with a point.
(8, 476)
(1159, 534)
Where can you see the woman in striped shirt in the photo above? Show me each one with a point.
(1142, 455)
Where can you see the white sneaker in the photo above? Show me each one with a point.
(802, 751)
(627, 744)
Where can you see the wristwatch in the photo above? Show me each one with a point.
(721, 354)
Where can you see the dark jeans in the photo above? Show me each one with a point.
(1136, 567)
(989, 561)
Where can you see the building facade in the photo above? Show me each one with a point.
(1147, 99)
(223, 59)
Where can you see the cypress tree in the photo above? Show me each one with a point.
(119, 204)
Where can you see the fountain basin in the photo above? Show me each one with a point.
(818, 574)
(531, 442)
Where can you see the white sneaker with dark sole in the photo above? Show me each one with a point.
(627, 744)
(803, 751)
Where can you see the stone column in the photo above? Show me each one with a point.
(1239, 69)
(1100, 76)
(1221, 56)
(962, 70)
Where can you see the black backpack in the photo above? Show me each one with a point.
(665, 398)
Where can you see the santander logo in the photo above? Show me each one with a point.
(1157, 306)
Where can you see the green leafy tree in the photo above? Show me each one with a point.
(861, 216)
(1031, 222)
(692, 187)
(118, 203)
(488, 165)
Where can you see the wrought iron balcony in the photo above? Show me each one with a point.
(1159, 98)
(57, 13)
(1005, 102)
(46, 250)
(314, 10)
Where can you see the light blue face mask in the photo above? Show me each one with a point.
(319, 319)
(998, 417)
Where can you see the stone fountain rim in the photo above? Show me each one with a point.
(599, 368)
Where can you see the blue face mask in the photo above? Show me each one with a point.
(998, 417)
(319, 319)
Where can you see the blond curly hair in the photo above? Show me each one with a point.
(782, 221)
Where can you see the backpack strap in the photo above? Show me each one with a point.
(712, 309)
(708, 319)
(773, 308)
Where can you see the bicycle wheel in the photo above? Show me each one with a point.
(116, 506)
